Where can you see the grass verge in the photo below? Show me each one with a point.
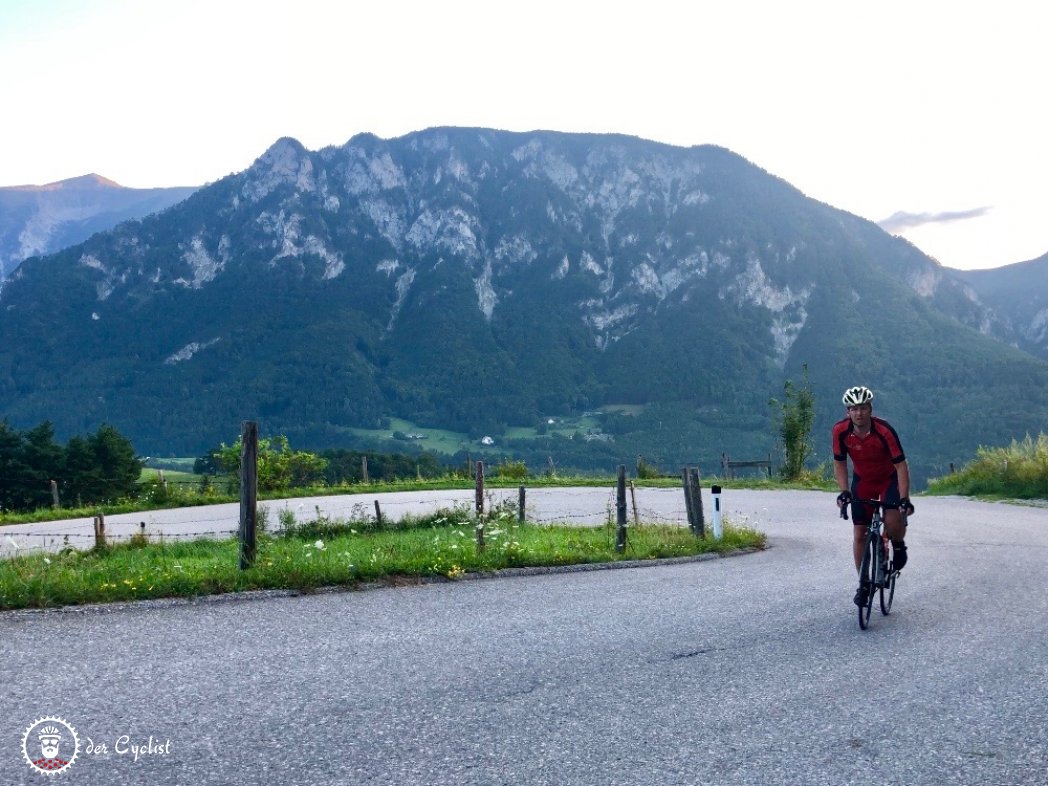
(331, 553)
(1019, 471)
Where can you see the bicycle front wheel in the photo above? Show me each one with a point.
(867, 576)
(888, 588)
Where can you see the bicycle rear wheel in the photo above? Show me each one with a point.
(867, 574)
(888, 588)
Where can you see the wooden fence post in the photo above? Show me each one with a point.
(100, 531)
(54, 495)
(378, 514)
(687, 498)
(696, 502)
(480, 488)
(620, 508)
(248, 492)
(364, 468)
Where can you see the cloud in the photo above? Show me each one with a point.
(900, 221)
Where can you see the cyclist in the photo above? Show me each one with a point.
(879, 471)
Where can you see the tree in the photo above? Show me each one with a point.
(279, 467)
(795, 415)
(83, 479)
(43, 459)
(89, 469)
(115, 462)
(12, 468)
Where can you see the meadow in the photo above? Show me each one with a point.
(306, 556)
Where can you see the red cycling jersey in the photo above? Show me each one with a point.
(874, 456)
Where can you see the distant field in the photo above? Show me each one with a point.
(170, 475)
(436, 440)
(625, 409)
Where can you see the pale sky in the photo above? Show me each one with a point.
(928, 109)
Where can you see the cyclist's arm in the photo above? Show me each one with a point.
(840, 474)
(903, 470)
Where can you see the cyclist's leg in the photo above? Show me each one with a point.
(861, 519)
(895, 524)
(858, 543)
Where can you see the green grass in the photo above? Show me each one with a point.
(339, 554)
(448, 442)
(150, 475)
(1019, 471)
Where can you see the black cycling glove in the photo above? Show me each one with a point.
(844, 498)
(906, 506)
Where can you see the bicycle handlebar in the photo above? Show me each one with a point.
(878, 502)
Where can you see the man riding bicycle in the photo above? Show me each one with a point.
(879, 471)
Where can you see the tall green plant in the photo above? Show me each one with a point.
(795, 416)
(279, 467)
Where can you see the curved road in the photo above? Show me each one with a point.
(744, 670)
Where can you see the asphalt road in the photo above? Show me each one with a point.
(742, 670)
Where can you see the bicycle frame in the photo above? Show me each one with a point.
(874, 572)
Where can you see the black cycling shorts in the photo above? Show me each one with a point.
(860, 490)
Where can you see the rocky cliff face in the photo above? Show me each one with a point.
(465, 276)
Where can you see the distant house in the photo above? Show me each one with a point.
(487, 441)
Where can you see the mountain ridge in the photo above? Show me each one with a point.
(41, 219)
(479, 279)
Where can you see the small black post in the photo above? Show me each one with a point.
(520, 505)
(248, 492)
(378, 514)
(480, 488)
(620, 508)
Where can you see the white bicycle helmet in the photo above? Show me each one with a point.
(857, 395)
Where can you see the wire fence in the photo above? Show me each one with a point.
(588, 506)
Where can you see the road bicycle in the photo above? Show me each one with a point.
(877, 572)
